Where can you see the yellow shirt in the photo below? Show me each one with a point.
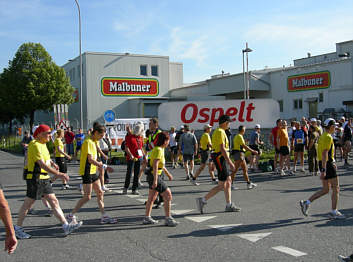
(205, 141)
(89, 147)
(238, 142)
(60, 144)
(219, 137)
(37, 151)
(283, 137)
(326, 143)
(158, 153)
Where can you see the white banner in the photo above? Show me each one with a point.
(117, 129)
(199, 113)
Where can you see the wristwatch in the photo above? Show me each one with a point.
(323, 170)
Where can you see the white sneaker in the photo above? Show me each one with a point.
(20, 234)
(140, 184)
(283, 173)
(193, 181)
(337, 215)
(69, 228)
(71, 219)
(105, 189)
(302, 169)
(295, 169)
(149, 221)
(252, 185)
(108, 220)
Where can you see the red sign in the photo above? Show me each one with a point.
(75, 95)
(122, 86)
(311, 81)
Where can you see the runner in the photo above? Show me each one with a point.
(254, 144)
(238, 153)
(38, 182)
(347, 141)
(60, 155)
(328, 171)
(205, 147)
(105, 147)
(79, 137)
(88, 168)
(156, 184)
(5, 215)
(346, 259)
(188, 146)
(299, 142)
(283, 146)
(180, 155)
(69, 140)
(220, 156)
(312, 150)
(173, 147)
(273, 141)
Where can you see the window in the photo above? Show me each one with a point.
(295, 104)
(78, 71)
(321, 97)
(298, 103)
(73, 73)
(154, 70)
(280, 102)
(143, 70)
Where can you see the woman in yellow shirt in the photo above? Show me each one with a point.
(155, 182)
(60, 155)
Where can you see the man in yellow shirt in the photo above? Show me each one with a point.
(220, 156)
(205, 147)
(328, 169)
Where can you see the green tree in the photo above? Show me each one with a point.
(37, 82)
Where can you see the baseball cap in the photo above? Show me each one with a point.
(329, 122)
(41, 129)
(343, 118)
(181, 127)
(313, 119)
(257, 126)
(207, 126)
(138, 129)
(224, 118)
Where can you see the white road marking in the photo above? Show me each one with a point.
(181, 212)
(199, 219)
(254, 237)
(142, 200)
(289, 251)
(225, 228)
(133, 196)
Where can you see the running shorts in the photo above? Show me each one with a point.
(60, 161)
(161, 185)
(256, 148)
(299, 148)
(330, 170)
(238, 155)
(221, 166)
(284, 150)
(204, 156)
(89, 179)
(36, 189)
(188, 157)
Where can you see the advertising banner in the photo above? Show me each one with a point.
(310, 81)
(117, 129)
(198, 113)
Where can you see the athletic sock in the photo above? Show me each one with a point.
(229, 204)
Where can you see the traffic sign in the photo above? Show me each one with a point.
(109, 116)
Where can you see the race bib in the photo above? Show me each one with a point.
(139, 152)
(299, 141)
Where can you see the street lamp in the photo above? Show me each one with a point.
(79, 25)
(246, 80)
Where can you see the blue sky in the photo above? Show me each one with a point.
(206, 36)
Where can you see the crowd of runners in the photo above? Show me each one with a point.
(324, 144)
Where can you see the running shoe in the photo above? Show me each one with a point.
(345, 259)
(304, 207)
(20, 234)
(108, 220)
(282, 173)
(234, 187)
(135, 192)
(170, 222)
(49, 213)
(200, 204)
(140, 184)
(71, 219)
(187, 178)
(124, 191)
(232, 208)
(193, 181)
(149, 221)
(69, 228)
(295, 169)
(252, 185)
(31, 211)
(336, 215)
(302, 169)
(105, 189)
(215, 181)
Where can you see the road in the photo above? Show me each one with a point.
(270, 226)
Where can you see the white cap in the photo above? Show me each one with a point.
(329, 122)
(257, 126)
(181, 127)
(343, 118)
(206, 126)
(313, 119)
(34, 129)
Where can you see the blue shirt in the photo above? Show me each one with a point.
(79, 142)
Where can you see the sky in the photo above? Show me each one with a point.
(206, 36)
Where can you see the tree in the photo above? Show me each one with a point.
(36, 82)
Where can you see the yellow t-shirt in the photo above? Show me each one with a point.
(89, 147)
(283, 137)
(326, 143)
(205, 141)
(158, 153)
(238, 142)
(37, 151)
(219, 137)
(60, 144)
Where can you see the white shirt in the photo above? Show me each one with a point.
(172, 141)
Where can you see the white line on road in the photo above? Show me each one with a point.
(289, 251)
(225, 228)
(181, 212)
(254, 237)
(199, 219)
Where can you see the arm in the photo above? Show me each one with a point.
(5, 215)
(62, 152)
(98, 164)
(101, 153)
(169, 175)
(324, 161)
(53, 171)
(155, 172)
(249, 149)
(226, 157)
(270, 137)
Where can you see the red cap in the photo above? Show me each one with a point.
(40, 129)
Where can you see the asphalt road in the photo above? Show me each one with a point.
(270, 226)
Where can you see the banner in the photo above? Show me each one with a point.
(310, 81)
(117, 129)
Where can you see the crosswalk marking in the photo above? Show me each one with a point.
(181, 211)
(289, 251)
(142, 200)
(254, 237)
(200, 219)
(133, 196)
(224, 228)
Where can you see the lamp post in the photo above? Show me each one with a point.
(79, 25)
(246, 79)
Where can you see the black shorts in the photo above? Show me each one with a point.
(278, 151)
(256, 148)
(330, 170)
(78, 147)
(89, 179)
(37, 189)
(174, 149)
(204, 156)
(299, 148)
(188, 157)
(238, 155)
(161, 185)
(221, 166)
(284, 150)
(60, 161)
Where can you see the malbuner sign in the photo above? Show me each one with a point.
(126, 86)
(198, 113)
(310, 81)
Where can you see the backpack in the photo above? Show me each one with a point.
(123, 145)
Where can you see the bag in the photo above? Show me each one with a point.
(123, 145)
(265, 166)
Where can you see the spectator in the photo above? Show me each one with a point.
(79, 137)
(273, 141)
(254, 144)
(173, 146)
(69, 140)
(312, 150)
(188, 146)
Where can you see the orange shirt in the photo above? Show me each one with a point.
(283, 137)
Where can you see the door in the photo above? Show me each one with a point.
(312, 109)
